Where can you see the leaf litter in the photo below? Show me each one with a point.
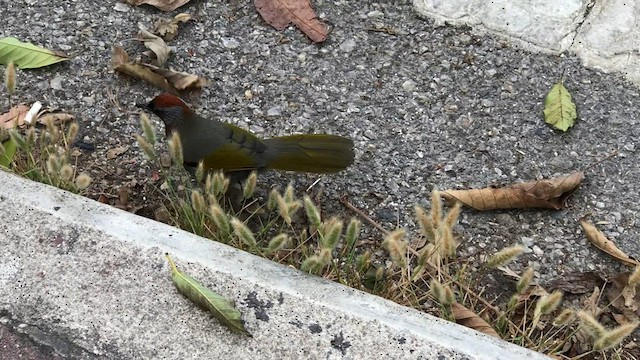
(281, 13)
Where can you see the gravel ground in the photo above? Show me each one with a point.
(428, 107)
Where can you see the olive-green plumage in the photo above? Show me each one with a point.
(224, 146)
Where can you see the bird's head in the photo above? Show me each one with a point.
(171, 109)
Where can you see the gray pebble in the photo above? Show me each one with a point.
(348, 45)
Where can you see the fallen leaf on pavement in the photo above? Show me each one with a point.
(122, 64)
(50, 114)
(217, 305)
(154, 43)
(559, 108)
(179, 80)
(599, 240)
(168, 28)
(14, 117)
(623, 297)
(26, 55)
(164, 5)
(546, 193)
(577, 283)
(115, 152)
(468, 318)
(281, 13)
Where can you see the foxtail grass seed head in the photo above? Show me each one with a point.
(83, 181)
(331, 233)
(313, 214)
(72, 132)
(66, 172)
(10, 77)
(525, 281)
(219, 183)
(449, 296)
(175, 149)
(243, 232)
(634, 278)
(437, 290)
(147, 129)
(614, 337)
(293, 207)
(380, 274)
(312, 264)
(452, 216)
(396, 247)
(289, 193)
(283, 209)
(197, 201)
(363, 262)
(272, 200)
(30, 135)
(426, 225)
(547, 303)
(504, 256)
(513, 301)
(146, 147)
(200, 171)
(325, 256)
(436, 208)
(426, 253)
(352, 233)
(18, 139)
(219, 218)
(564, 318)
(53, 165)
(249, 186)
(448, 245)
(278, 243)
(591, 325)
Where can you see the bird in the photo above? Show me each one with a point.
(223, 146)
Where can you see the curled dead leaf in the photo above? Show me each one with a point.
(115, 152)
(599, 240)
(122, 64)
(164, 5)
(281, 13)
(168, 28)
(624, 298)
(468, 318)
(56, 117)
(14, 117)
(154, 43)
(179, 80)
(546, 193)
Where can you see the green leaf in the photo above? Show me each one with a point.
(559, 108)
(27, 55)
(6, 157)
(220, 307)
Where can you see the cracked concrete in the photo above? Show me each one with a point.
(604, 34)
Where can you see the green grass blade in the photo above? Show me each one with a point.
(559, 108)
(6, 157)
(27, 55)
(220, 307)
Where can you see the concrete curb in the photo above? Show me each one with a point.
(89, 277)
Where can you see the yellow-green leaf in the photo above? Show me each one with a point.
(559, 108)
(27, 55)
(220, 307)
(7, 151)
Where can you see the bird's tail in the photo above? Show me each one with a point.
(317, 153)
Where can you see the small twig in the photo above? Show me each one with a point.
(345, 202)
(612, 154)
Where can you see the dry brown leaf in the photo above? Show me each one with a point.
(624, 298)
(122, 64)
(168, 28)
(14, 117)
(546, 193)
(115, 152)
(179, 80)
(600, 241)
(281, 13)
(164, 5)
(469, 319)
(56, 118)
(577, 283)
(154, 43)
